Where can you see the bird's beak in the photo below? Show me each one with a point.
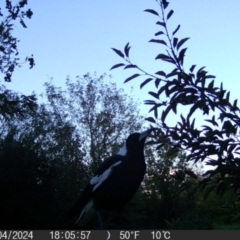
(145, 134)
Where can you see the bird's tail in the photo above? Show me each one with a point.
(79, 217)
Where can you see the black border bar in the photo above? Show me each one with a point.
(119, 234)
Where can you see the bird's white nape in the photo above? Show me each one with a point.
(123, 150)
(98, 179)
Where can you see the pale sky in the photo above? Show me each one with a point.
(75, 37)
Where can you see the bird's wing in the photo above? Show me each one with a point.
(105, 171)
(100, 175)
(107, 163)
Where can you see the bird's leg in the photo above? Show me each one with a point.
(100, 225)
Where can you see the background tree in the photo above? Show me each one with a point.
(26, 184)
(101, 113)
(13, 104)
(192, 90)
(8, 43)
(48, 157)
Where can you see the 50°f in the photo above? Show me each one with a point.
(160, 235)
(127, 234)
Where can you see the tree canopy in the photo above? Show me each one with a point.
(217, 141)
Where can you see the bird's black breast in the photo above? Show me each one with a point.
(121, 184)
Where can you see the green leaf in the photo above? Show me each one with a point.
(174, 107)
(162, 89)
(131, 66)
(170, 14)
(173, 73)
(161, 23)
(149, 102)
(118, 52)
(155, 95)
(150, 119)
(145, 82)
(159, 33)
(210, 76)
(151, 11)
(117, 65)
(227, 97)
(192, 68)
(210, 85)
(181, 42)
(158, 41)
(23, 23)
(165, 58)
(175, 40)
(157, 81)
(164, 114)
(235, 103)
(199, 71)
(165, 4)
(132, 77)
(193, 123)
(183, 119)
(161, 56)
(126, 49)
(181, 55)
(161, 73)
(155, 113)
(175, 31)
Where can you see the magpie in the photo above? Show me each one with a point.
(114, 183)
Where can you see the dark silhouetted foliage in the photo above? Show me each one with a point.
(9, 59)
(193, 90)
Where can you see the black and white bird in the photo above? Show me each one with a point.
(115, 182)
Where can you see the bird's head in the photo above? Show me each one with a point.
(135, 141)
